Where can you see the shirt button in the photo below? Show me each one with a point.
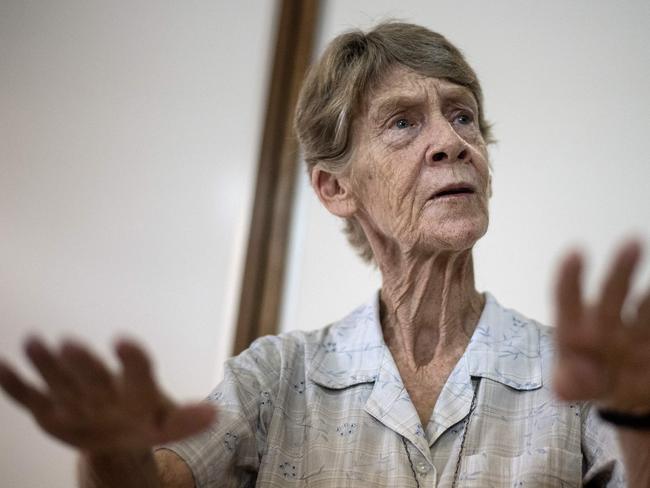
(422, 467)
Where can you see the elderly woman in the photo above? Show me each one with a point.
(430, 383)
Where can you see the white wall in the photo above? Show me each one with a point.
(128, 141)
(566, 85)
(128, 138)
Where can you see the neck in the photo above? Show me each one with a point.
(429, 306)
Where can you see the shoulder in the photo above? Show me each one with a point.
(294, 348)
(512, 321)
(270, 357)
(513, 346)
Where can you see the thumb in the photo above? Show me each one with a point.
(188, 420)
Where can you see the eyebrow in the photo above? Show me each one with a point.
(460, 94)
(387, 106)
(390, 104)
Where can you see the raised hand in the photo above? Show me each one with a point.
(87, 406)
(602, 356)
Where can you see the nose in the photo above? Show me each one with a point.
(447, 145)
(442, 155)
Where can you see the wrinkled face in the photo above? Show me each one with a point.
(419, 170)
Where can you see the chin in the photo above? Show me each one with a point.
(454, 235)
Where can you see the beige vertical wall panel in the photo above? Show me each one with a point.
(566, 85)
(128, 143)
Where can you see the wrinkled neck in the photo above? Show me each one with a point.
(429, 305)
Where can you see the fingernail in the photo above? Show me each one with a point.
(634, 245)
(34, 344)
(5, 370)
(71, 344)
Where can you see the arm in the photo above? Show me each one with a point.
(636, 455)
(162, 469)
(229, 453)
(604, 357)
(130, 470)
(114, 420)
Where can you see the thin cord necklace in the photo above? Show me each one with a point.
(462, 443)
(465, 430)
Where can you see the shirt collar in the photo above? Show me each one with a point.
(351, 350)
(505, 347)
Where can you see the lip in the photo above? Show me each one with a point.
(461, 189)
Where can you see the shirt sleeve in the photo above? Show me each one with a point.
(602, 458)
(228, 453)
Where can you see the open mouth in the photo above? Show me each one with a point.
(454, 190)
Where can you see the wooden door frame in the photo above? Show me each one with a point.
(263, 280)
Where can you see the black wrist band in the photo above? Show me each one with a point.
(630, 421)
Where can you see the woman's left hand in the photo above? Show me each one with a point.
(603, 356)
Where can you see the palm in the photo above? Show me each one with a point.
(88, 407)
(601, 356)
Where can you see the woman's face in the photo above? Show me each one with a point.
(419, 173)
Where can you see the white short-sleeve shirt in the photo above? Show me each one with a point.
(328, 409)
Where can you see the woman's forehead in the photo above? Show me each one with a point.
(403, 85)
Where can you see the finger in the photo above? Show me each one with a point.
(568, 298)
(139, 383)
(23, 393)
(89, 371)
(186, 421)
(643, 312)
(60, 382)
(577, 377)
(617, 284)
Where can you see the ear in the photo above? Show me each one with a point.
(334, 192)
(489, 187)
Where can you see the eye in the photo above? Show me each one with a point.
(402, 123)
(464, 118)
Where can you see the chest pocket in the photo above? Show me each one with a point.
(546, 468)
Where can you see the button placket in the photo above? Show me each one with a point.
(422, 467)
(425, 473)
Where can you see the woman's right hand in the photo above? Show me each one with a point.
(87, 406)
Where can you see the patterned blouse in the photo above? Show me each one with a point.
(328, 409)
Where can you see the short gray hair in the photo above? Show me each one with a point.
(352, 65)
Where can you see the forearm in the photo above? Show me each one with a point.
(119, 470)
(635, 445)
